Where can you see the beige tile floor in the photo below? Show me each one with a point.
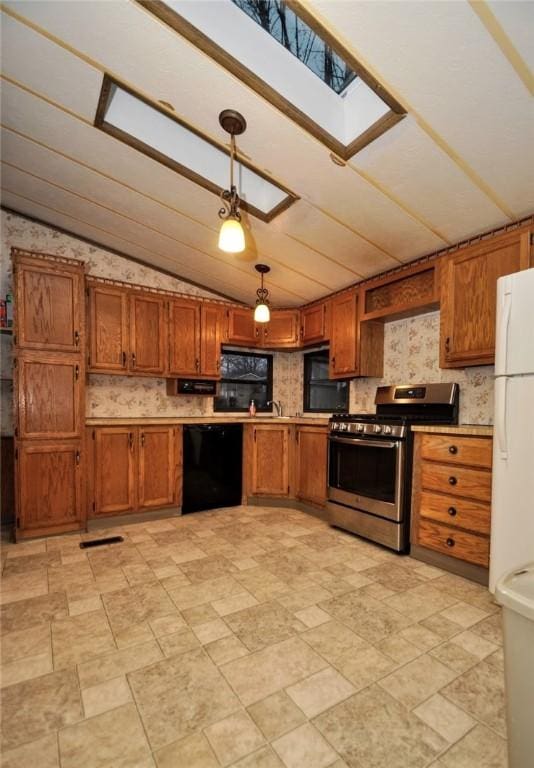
(249, 637)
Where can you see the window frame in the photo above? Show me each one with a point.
(307, 385)
(269, 381)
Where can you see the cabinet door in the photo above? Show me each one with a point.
(242, 330)
(115, 464)
(108, 329)
(49, 487)
(49, 305)
(50, 396)
(184, 337)
(270, 460)
(343, 348)
(210, 341)
(157, 485)
(282, 329)
(469, 296)
(314, 323)
(148, 334)
(311, 464)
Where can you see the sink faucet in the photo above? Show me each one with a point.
(278, 405)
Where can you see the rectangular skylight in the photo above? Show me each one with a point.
(282, 23)
(151, 130)
(320, 86)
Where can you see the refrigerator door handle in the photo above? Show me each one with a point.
(501, 357)
(501, 391)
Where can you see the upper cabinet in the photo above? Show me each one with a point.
(109, 344)
(315, 323)
(148, 334)
(282, 331)
(343, 341)
(211, 321)
(49, 300)
(184, 337)
(468, 297)
(241, 329)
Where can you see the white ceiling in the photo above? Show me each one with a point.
(462, 161)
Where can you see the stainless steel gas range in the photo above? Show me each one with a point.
(370, 460)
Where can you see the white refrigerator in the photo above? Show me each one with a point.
(512, 514)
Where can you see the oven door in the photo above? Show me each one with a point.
(367, 474)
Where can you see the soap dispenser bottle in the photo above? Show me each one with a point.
(252, 409)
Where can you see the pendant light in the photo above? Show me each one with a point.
(262, 313)
(231, 235)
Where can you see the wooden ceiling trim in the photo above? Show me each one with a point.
(259, 254)
(169, 112)
(222, 260)
(445, 147)
(104, 246)
(509, 51)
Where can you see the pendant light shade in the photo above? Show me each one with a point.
(231, 235)
(262, 313)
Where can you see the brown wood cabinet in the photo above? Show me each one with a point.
(269, 471)
(343, 337)
(282, 331)
(451, 498)
(311, 463)
(50, 392)
(148, 334)
(315, 323)
(48, 385)
(468, 297)
(184, 338)
(49, 303)
(241, 328)
(109, 344)
(133, 468)
(211, 321)
(49, 487)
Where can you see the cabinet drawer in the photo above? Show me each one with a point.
(456, 481)
(472, 451)
(464, 513)
(453, 542)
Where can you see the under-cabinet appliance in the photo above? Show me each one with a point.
(191, 387)
(370, 460)
(213, 456)
(512, 513)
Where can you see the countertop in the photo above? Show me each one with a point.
(473, 430)
(155, 421)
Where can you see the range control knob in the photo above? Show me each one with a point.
(387, 430)
(378, 428)
(360, 427)
(343, 427)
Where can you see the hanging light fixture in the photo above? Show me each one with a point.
(262, 313)
(231, 235)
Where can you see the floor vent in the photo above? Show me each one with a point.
(101, 542)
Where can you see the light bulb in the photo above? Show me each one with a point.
(262, 313)
(231, 236)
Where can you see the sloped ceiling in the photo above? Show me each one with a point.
(462, 160)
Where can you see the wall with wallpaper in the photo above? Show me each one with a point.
(411, 346)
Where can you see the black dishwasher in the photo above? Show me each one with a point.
(212, 466)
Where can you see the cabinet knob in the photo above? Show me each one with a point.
(142, 439)
(130, 440)
(78, 457)
(450, 542)
(452, 511)
(197, 364)
(77, 372)
(77, 338)
(124, 359)
(447, 345)
(133, 359)
(453, 449)
(452, 480)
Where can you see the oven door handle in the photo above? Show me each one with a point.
(365, 441)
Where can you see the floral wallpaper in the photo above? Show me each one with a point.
(411, 346)
(411, 356)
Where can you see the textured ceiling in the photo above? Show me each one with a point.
(462, 161)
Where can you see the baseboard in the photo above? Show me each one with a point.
(459, 567)
(300, 506)
(113, 521)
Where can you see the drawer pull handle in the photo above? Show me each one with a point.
(450, 542)
(452, 511)
(453, 449)
(452, 480)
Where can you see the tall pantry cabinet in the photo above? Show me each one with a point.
(49, 393)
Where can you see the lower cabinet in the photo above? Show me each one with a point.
(451, 504)
(311, 464)
(133, 468)
(49, 487)
(269, 460)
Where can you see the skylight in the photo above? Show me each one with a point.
(151, 130)
(278, 49)
(282, 23)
